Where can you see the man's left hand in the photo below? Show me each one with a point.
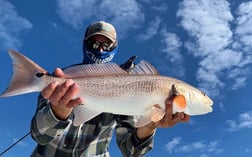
(169, 120)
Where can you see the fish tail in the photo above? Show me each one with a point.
(23, 78)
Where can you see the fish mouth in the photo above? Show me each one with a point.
(210, 102)
(209, 105)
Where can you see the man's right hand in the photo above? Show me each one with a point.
(62, 96)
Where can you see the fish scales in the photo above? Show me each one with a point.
(118, 86)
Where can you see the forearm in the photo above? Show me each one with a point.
(146, 131)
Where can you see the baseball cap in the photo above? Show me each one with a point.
(102, 28)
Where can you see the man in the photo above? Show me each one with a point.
(52, 125)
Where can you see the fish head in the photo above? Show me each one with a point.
(197, 102)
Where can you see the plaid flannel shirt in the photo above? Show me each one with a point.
(57, 138)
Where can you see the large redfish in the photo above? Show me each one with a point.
(108, 88)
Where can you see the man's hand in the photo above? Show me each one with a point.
(62, 96)
(168, 120)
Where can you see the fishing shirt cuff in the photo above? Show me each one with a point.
(142, 143)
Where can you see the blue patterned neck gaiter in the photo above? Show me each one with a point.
(91, 56)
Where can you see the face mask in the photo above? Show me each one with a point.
(94, 56)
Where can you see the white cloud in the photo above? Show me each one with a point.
(170, 146)
(244, 23)
(222, 107)
(215, 147)
(171, 45)
(206, 21)
(160, 7)
(156, 5)
(151, 30)
(195, 146)
(202, 147)
(124, 14)
(239, 82)
(11, 25)
(214, 43)
(244, 121)
(243, 36)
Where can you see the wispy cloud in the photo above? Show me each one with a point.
(151, 30)
(176, 146)
(243, 29)
(11, 25)
(244, 121)
(212, 41)
(222, 107)
(194, 146)
(160, 7)
(170, 146)
(156, 5)
(124, 14)
(171, 46)
(242, 44)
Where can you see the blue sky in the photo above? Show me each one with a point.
(206, 43)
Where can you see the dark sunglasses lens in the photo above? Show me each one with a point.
(107, 46)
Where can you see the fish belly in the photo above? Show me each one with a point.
(128, 105)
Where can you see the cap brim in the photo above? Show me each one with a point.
(102, 33)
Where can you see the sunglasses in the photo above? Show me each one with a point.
(95, 45)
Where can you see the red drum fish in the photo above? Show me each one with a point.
(141, 92)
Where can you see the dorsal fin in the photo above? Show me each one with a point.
(85, 70)
(144, 67)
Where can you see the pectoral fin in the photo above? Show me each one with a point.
(155, 115)
(83, 114)
(142, 120)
